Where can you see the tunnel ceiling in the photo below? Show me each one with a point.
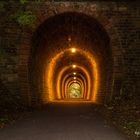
(69, 48)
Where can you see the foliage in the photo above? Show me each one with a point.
(23, 17)
(2, 4)
(125, 114)
(24, 1)
(26, 18)
(75, 90)
(3, 120)
(134, 127)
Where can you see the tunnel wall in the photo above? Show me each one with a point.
(120, 20)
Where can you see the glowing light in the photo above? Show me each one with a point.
(73, 50)
(62, 87)
(74, 91)
(74, 78)
(74, 66)
(50, 94)
(68, 82)
(69, 38)
(74, 73)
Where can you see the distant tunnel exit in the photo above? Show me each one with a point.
(74, 91)
(70, 56)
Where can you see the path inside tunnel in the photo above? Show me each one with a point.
(63, 121)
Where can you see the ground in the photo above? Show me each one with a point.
(63, 122)
(124, 113)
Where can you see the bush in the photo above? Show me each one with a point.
(25, 18)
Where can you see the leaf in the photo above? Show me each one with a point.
(2, 8)
(25, 18)
(24, 1)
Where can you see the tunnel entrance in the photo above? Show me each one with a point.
(70, 59)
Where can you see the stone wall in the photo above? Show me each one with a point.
(120, 19)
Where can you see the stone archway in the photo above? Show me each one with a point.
(50, 52)
(24, 51)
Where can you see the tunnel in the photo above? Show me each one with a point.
(70, 60)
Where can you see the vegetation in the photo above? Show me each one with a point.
(24, 1)
(74, 90)
(125, 114)
(2, 9)
(25, 18)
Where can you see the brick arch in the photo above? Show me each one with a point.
(24, 63)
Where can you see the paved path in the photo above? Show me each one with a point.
(62, 122)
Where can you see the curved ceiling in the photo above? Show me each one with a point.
(68, 48)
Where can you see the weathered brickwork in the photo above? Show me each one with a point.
(121, 20)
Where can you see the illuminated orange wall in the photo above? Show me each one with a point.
(63, 49)
(56, 94)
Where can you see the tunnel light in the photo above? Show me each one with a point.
(69, 38)
(74, 78)
(49, 92)
(74, 66)
(73, 50)
(74, 73)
